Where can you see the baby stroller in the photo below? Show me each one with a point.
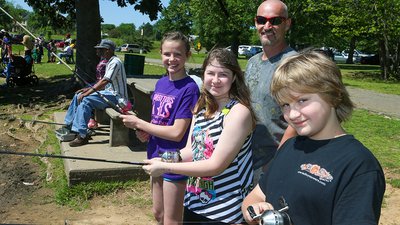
(19, 72)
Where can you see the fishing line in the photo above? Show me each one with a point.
(41, 121)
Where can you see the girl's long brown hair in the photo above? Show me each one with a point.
(239, 90)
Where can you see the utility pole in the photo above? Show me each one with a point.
(141, 34)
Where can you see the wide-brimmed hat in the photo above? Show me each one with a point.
(105, 43)
(3, 31)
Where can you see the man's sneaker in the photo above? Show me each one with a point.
(79, 141)
(59, 63)
(92, 124)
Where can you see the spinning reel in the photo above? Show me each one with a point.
(272, 217)
(124, 104)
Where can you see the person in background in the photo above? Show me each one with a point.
(325, 175)
(112, 86)
(67, 52)
(6, 47)
(218, 155)
(7, 55)
(39, 46)
(173, 100)
(100, 71)
(67, 38)
(28, 46)
(272, 23)
(51, 48)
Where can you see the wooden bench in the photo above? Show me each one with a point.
(140, 89)
(119, 134)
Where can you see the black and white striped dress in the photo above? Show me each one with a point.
(219, 197)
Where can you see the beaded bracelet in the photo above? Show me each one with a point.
(171, 157)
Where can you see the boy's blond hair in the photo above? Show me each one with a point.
(312, 72)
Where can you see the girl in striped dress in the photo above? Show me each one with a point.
(218, 156)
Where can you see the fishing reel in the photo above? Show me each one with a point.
(124, 104)
(272, 217)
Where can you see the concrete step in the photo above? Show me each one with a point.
(78, 171)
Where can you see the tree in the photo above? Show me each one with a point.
(386, 29)
(310, 25)
(86, 15)
(6, 22)
(365, 20)
(176, 17)
(223, 22)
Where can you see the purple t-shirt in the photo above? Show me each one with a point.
(171, 100)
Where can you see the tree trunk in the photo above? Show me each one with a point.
(351, 51)
(88, 35)
(235, 43)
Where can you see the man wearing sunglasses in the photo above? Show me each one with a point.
(272, 23)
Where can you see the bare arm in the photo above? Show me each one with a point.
(186, 152)
(174, 132)
(237, 127)
(289, 132)
(98, 86)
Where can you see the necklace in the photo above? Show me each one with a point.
(339, 135)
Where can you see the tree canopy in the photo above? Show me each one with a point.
(372, 26)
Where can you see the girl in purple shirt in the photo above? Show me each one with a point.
(173, 100)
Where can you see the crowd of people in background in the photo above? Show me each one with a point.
(37, 47)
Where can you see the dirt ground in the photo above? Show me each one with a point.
(24, 197)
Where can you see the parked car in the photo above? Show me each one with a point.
(131, 48)
(252, 50)
(356, 53)
(340, 57)
(242, 50)
(370, 60)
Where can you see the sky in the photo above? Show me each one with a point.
(111, 13)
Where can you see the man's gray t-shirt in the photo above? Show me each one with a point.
(271, 125)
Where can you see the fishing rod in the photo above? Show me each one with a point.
(121, 109)
(41, 121)
(46, 155)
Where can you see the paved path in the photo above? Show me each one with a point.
(376, 102)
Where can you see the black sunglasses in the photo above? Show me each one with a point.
(261, 20)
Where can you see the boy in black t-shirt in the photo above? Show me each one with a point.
(325, 175)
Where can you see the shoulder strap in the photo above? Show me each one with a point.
(229, 106)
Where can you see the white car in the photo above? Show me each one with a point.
(243, 49)
(131, 48)
(340, 57)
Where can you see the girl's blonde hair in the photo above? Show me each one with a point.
(312, 72)
(239, 90)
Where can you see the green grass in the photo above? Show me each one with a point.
(153, 69)
(368, 77)
(378, 133)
